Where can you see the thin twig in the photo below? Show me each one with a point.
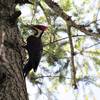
(92, 45)
(72, 57)
(85, 48)
(49, 76)
(61, 39)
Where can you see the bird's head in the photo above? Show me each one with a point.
(38, 30)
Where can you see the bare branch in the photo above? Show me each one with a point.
(56, 8)
(61, 39)
(73, 71)
(49, 76)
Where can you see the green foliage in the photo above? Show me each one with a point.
(86, 1)
(94, 53)
(95, 56)
(42, 19)
(79, 42)
(55, 84)
(54, 53)
(61, 78)
(96, 60)
(65, 4)
(86, 67)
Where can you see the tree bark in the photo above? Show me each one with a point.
(12, 83)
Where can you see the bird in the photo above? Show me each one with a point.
(34, 47)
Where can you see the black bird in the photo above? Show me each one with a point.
(34, 47)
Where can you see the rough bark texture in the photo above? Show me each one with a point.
(12, 84)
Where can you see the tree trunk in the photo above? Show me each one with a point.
(12, 83)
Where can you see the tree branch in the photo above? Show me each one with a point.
(56, 8)
(72, 57)
(61, 39)
(49, 76)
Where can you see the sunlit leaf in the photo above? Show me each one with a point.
(79, 43)
(65, 4)
(96, 60)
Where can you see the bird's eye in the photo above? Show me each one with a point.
(35, 32)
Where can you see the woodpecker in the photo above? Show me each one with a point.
(34, 47)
